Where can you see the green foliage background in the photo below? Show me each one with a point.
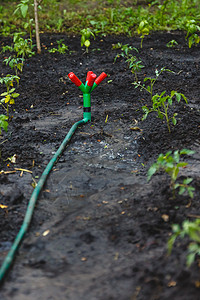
(103, 17)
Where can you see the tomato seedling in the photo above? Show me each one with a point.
(171, 164)
(10, 94)
(161, 104)
(189, 229)
(15, 63)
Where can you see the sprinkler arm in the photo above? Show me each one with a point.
(91, 81)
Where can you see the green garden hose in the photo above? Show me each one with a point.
(91, 83)
(29, 213)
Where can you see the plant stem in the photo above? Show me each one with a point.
(37, 27)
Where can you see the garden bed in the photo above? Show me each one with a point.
(100, 230)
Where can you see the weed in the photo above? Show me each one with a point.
(189, 229)
(171, 164)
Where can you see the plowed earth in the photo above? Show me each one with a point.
(99, 230)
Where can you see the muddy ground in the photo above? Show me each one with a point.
(106, 228)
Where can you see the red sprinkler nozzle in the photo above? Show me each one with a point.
(91, 79)
(74, 79)
(101, 77)
(88, 75)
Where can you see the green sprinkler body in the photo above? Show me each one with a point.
(92, 81)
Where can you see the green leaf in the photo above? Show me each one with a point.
(152, 170)
(187, 151)
(187, 180)
(170, 100)
(174, 121)
(87, 43)
(190, 259)
(182, 164)
(15, 95)
(181, 190)
(160, 115)
(24, 9)
(3, 122)
(4, 94)
(190, 190)
(12, 90)
(178, 96)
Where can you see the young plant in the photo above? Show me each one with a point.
(135, 65)
(161, 104)
(172, 44)
(171, 164)
(125, 50)
(15, 63)
(152, 81)
(190, 229)
(62, 48)
(192, 36)
(3, 123)
(23, 47)
(9, 95)
(143, 29)
(85, 37)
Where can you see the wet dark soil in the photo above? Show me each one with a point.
(99, 230)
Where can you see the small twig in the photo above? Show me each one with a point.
(193, 216)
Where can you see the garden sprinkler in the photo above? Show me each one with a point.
(92, 81)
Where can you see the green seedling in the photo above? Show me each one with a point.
(15, 63)
(10, 95)
(62, 48)
(192, 36)
(135, 65)
(151, 81)
(171, 164)
(23, 47)
(85, 38)
(125, 50)
(143, 29)
(172, 44)
(23, 8)
(161, 104)
(189, 229)
(3, 123)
